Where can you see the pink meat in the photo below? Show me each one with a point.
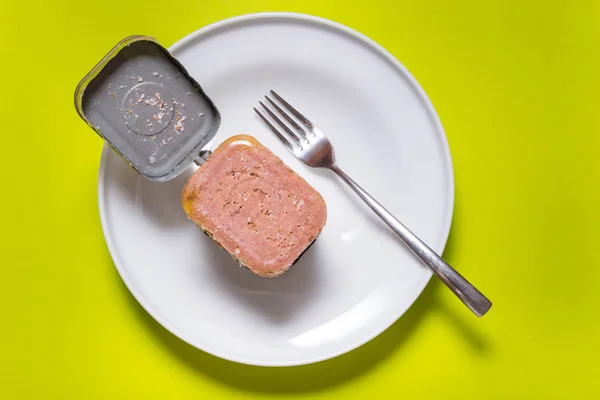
(254, 206)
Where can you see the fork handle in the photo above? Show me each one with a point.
(466, 292)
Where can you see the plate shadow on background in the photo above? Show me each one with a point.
(325, 374)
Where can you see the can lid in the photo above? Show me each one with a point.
(147, 107)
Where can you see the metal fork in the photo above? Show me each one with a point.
(314, 149)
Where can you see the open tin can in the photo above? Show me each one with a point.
(148, 108)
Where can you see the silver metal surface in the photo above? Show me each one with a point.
(148, 108)
(202, 157)
(311, 146)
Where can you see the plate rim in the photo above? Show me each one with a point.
(319, 21)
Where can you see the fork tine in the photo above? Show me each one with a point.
(300, 130)
(281, 123)
(283, 139)
(296, 113)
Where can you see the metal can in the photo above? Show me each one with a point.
(148, 108)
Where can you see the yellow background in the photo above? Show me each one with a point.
(516, 85)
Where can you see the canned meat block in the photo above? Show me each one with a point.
(254, 206)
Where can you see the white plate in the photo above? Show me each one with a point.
(358, 278)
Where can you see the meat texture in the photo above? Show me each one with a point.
(254, 206)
